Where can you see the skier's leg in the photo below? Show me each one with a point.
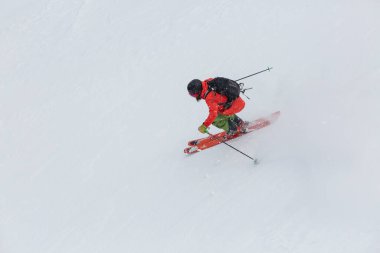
(236, 123)
(227, 123)
(221, 122)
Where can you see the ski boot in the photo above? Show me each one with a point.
(233, 126)
(239, 124)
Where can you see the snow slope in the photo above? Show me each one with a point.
(94, 116)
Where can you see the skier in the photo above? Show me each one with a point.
(223, 100)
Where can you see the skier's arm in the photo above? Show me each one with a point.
(212, 113)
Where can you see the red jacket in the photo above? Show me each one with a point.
(215, 103)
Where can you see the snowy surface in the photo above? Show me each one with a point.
(94, 115)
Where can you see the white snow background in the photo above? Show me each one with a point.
(94, 116)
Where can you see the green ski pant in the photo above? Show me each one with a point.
(222, 121)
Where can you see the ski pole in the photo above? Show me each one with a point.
(216, 138)
(267, 69)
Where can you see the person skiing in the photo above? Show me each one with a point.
(223, 99)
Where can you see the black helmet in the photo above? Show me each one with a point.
(195, 88)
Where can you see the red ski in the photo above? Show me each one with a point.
(210, 141)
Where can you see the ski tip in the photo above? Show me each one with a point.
(191, 150)
(256, 161)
